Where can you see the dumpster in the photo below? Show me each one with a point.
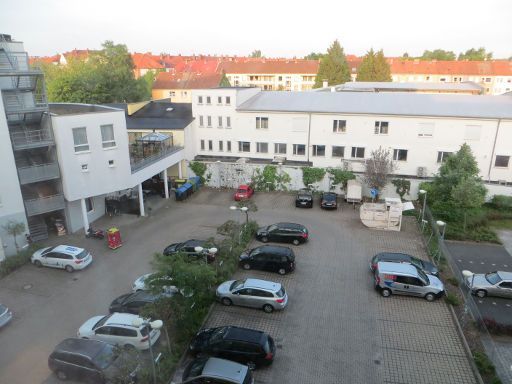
(197, 181)
(114, 238)
(193, 182)
(181, 193)
(179, 182)
(188, 189)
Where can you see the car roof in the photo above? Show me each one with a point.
(221, 368)
(289, 225)
(68, 249)
(121, 319)
(505, 275)
(329, 194)
(304, 191)
(194, 242)
(275, 249)
(83, 346)
(393, 256)
(140, 295)
(385, 267)
(243, 334)
(243, 186)
(263, 284)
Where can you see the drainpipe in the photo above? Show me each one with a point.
(493, 150)
(309, 134)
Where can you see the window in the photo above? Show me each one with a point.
(228, 122)
(221, 145)
(210, 145)
(208, 100)
(209, 121)
(89, 206)
(80, 139)
(228, 100)
(220, 121)
(228, 144)
(442, 156)
(219, 100)
(280, 148)
(201, 121)
(400, 154)
(381, 127)
(200, 100)
(262, 147)
(299, 149)
(244, 146)
(111, 163)
(261, 122)
(202, 145)
(319, 150)
(502, 161)
(357, 152)
(339, 126)
(172, 93)
(338, 151)
(487, 79)
(425, 129)
(107, 136)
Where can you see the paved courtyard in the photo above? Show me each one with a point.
(336, 329)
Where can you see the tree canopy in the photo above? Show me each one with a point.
(378, 169)
(438, 54)
(256, 53)
(105, 76)
(333, 67)
(374, 67)
(314, 56)
(473, 54)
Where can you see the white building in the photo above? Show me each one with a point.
(333, 129)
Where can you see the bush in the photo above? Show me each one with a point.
(452, 299)
(502, 202)
(484, 365)
(12, 263)
(453, 281)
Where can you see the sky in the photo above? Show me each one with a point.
(279, 28)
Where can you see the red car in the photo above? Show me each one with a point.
(243, 192)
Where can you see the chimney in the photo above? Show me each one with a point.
(325, 84)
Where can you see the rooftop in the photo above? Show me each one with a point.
(466, 86)
(271, 66)
(186, 80)
(61, 109)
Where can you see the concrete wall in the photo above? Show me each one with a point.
(74, 213)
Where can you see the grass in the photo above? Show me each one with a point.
(501, 224)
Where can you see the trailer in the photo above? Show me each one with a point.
(354, 192)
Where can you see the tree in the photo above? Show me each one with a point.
(402, 187)
(469, 193)
(340, 176)
(438, 54)
(374, 67)
(405, 56)
(473, 54)
(378, 169)
(224, 81)
(256, 53)
(311, 175)
(333, 67)
(314, 56)
(14, 228)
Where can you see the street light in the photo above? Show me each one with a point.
(467, 274)
(211, 251)
(442, 225)
(157, 324)
(218, 171)
(423, 192)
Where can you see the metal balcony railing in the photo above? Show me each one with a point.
(31, 139)
(44, 204)
(41, 172)
(138, 162)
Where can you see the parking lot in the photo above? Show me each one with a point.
(335, 329)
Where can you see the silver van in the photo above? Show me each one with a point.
(406, 279)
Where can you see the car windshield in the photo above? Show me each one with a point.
(493, 278)
(272, 227)
(241, 190)
(101, 322)
(255, 252)
(82, 254)
(106, 356)
(423, 276)
(48, 250)
(194, 369)
(329, 197)
(416, 262)
(237, 284)
(218, 334)
(281, 292)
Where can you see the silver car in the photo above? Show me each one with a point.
(255, 293)
(5, 315)
(497, 283)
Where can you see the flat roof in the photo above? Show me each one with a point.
(61, 109)
(381, 103)
(408, 86)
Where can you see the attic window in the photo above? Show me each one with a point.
(169, 109)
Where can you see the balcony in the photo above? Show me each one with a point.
(44, 204)
(151, 148)
(31, 139)
(37, 173)
(138, 162)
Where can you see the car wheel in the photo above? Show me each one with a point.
(430, 296)
(226, 301)
(281, 271)
(38, 264)
(61, 375)
(247, 266)
(385, 292)
(69, 268)
(268, 308)
(264, 239)
(481, 293)
(296, 242)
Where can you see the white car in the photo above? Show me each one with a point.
(119, 329)
(62, 256)
(140, 284)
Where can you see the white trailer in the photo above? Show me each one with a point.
(354, 192)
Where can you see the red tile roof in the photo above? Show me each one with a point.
(263, 66)
(478, 68)
(186, 80)
(45, 59)
(146, 61)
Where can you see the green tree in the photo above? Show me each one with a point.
(224, 81)
(256, 53)
(468, 194)
(473, 54)
(312, 175)
(438, 54)
(374, 67)
(14, 228)
(378, 169)
(314, 56)
(405, 56)
(340, 176)
(333, 67)
(402, 187)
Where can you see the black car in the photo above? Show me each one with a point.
(189, 248)
(92, 361)
(133, 302)
(395, 257)
(328, 200)
(246, 346)
(269, 258)
(304, 199)
(283, 233)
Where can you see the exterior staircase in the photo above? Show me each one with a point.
(37, 228)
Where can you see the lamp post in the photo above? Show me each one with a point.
(157, 324)
(218, 171)
(424, 193)
(206, 251)
(442, 226)
(467, 274)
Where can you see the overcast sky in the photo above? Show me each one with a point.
(277, 28)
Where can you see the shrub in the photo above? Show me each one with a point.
(484, 365)
(12, 263)
(452, 299)
(502, 202)
(453, 281)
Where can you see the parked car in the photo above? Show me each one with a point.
(134, 302)
(328, 200)
(406, 279)
(244, 345)
(394, 257)
(498, 283)
(216, 371)
(92, 361)
(304, 198)
(283, 233)
(5, 315)
(243, 192)
(269, 258)
(189, 248)
(62, 256)
(140, 284)
(254, 293)
(118, 328)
